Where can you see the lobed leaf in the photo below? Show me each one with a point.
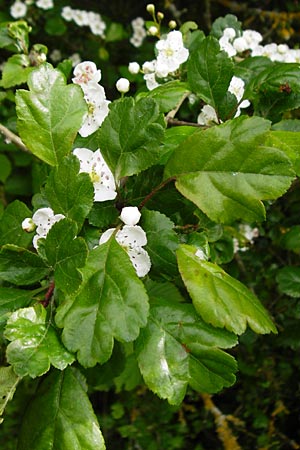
(8, 383)
(111, 303)
(60, 416)
(220, 299)
(12, 299)
(11, 231)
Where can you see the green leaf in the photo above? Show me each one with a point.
(177, 348)
(275, 90)
(288, 279)
(10, 300)
(66, 254)
(290, 240)
(229, 21)
(173, 137)
(228, 169)
(60, 416)
(289, 143)
(5, 168)
(220, 299)
(209, 72)
(162, 242)
(49, 114)
(14, 36)
(8, 383)
(69, 192)
(130, 136)
(15, 71)
(110, 303)
(20, 266)
(34, 343)
(55, 26)
(11, 231)
(103, 214)
(169, 95)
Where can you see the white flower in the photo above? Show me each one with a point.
(208, 116)
(130, 215)
(171, 52)
(67, 13)
(98, 27)
(85, 72)
(45, 4)
(229, 33)
(43, 219)
(95, 98)
(252, 37)
(139, 32)
(237, 88)
(240, 44)
(94, 164)
(75, 58)
(226, 41)
(18, 10)
(123, 85)
(132, 239)
(133, 68)
(151, 82)
(56, 55)
(80, 17)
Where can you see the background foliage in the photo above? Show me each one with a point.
(261, 409)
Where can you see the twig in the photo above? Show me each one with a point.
(179, 123)
(224, 432)
(9, 136)
(155, 190)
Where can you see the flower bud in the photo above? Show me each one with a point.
(172, 24)
(150, 8)
(160, 15)
(153, 30)
(123, 85)
(130, 215)
(134, 68)
(28, 225)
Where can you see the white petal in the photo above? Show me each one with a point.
(131, 236)
(106, 235)
(130, 215)
(140, 261)
(85, 157)
(103, 193)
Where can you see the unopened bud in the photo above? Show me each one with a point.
(153, 30)
(134, 68)
(172, 24)
(130, 215)
(123, 85)
(160, 15)
(28, 225)
(150, 8)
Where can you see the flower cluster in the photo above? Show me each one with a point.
(100, 174)
(18, 9)
(171, 53)
(88, 76)
(250, 40)
(139, 32)
(247, 234)
(84, 18)
(132, 238)
(42, 221)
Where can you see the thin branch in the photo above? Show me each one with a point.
(155, 190)
(179, 123)
(9, 136)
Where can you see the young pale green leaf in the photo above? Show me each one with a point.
(20, 266)
(60, 416)
(130, 136)
(8, 383)
(221, 23)
(49, 114)
(10, 300)
(169, 95)
(110, 303)
(220, 299)
(69, 192)
(11, 231)
(15, 71)
(288, 279)
(34, 343)
(162, 242)
(228, 169)
(210, 71)
(66, 254)
(177, 348)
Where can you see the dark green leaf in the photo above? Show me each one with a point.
(177, 348)
(11, 231)
(60, 416)
(220, 299)
(49, 114)
(8, 384)
(130, 136)
(290, 240)
(12, 299)
(288, 279)
(162, 242)
(228, 169)
(5, 168)
(34, 343)
(66, 254)
(110, 303)
(169, 95)
(229, 21)
(20, 266)
(69, 192)
(210, 71)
